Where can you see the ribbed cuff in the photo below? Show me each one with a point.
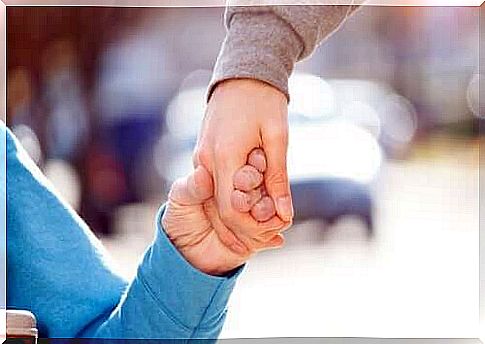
(258, 46)
(192, 298)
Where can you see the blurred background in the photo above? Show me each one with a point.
(383, 156)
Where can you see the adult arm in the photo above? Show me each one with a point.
(248, 99)
(265, 42)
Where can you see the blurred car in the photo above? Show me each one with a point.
(371, 105)
(331, 165)
(329, 199)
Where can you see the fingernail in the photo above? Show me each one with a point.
(285, 208)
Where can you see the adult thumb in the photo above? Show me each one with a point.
(275, 144)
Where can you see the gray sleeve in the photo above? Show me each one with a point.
(265, 42)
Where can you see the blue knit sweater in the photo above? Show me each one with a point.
(57, 269)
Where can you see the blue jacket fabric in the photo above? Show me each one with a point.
(58, 269)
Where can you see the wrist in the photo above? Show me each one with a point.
(247, 86)
(207, 264)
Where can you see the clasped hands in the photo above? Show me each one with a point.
(234, 204)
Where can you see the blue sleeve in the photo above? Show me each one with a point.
(57, 269)
(182, 299)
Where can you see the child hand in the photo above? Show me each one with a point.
(192, 222)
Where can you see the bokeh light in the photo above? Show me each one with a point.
(28, 139)
(311, 96)
(185, 113)
(333, 149)
(363, 115)
(399, 119)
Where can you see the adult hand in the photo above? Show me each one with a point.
(244, 114)
(191, 219)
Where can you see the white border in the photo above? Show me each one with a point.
(3, 169)
(197, 3)
(220, 3)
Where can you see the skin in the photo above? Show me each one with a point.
(242, 115)
(250, 194)
(193, 224)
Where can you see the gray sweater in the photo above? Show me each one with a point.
(265, 42)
